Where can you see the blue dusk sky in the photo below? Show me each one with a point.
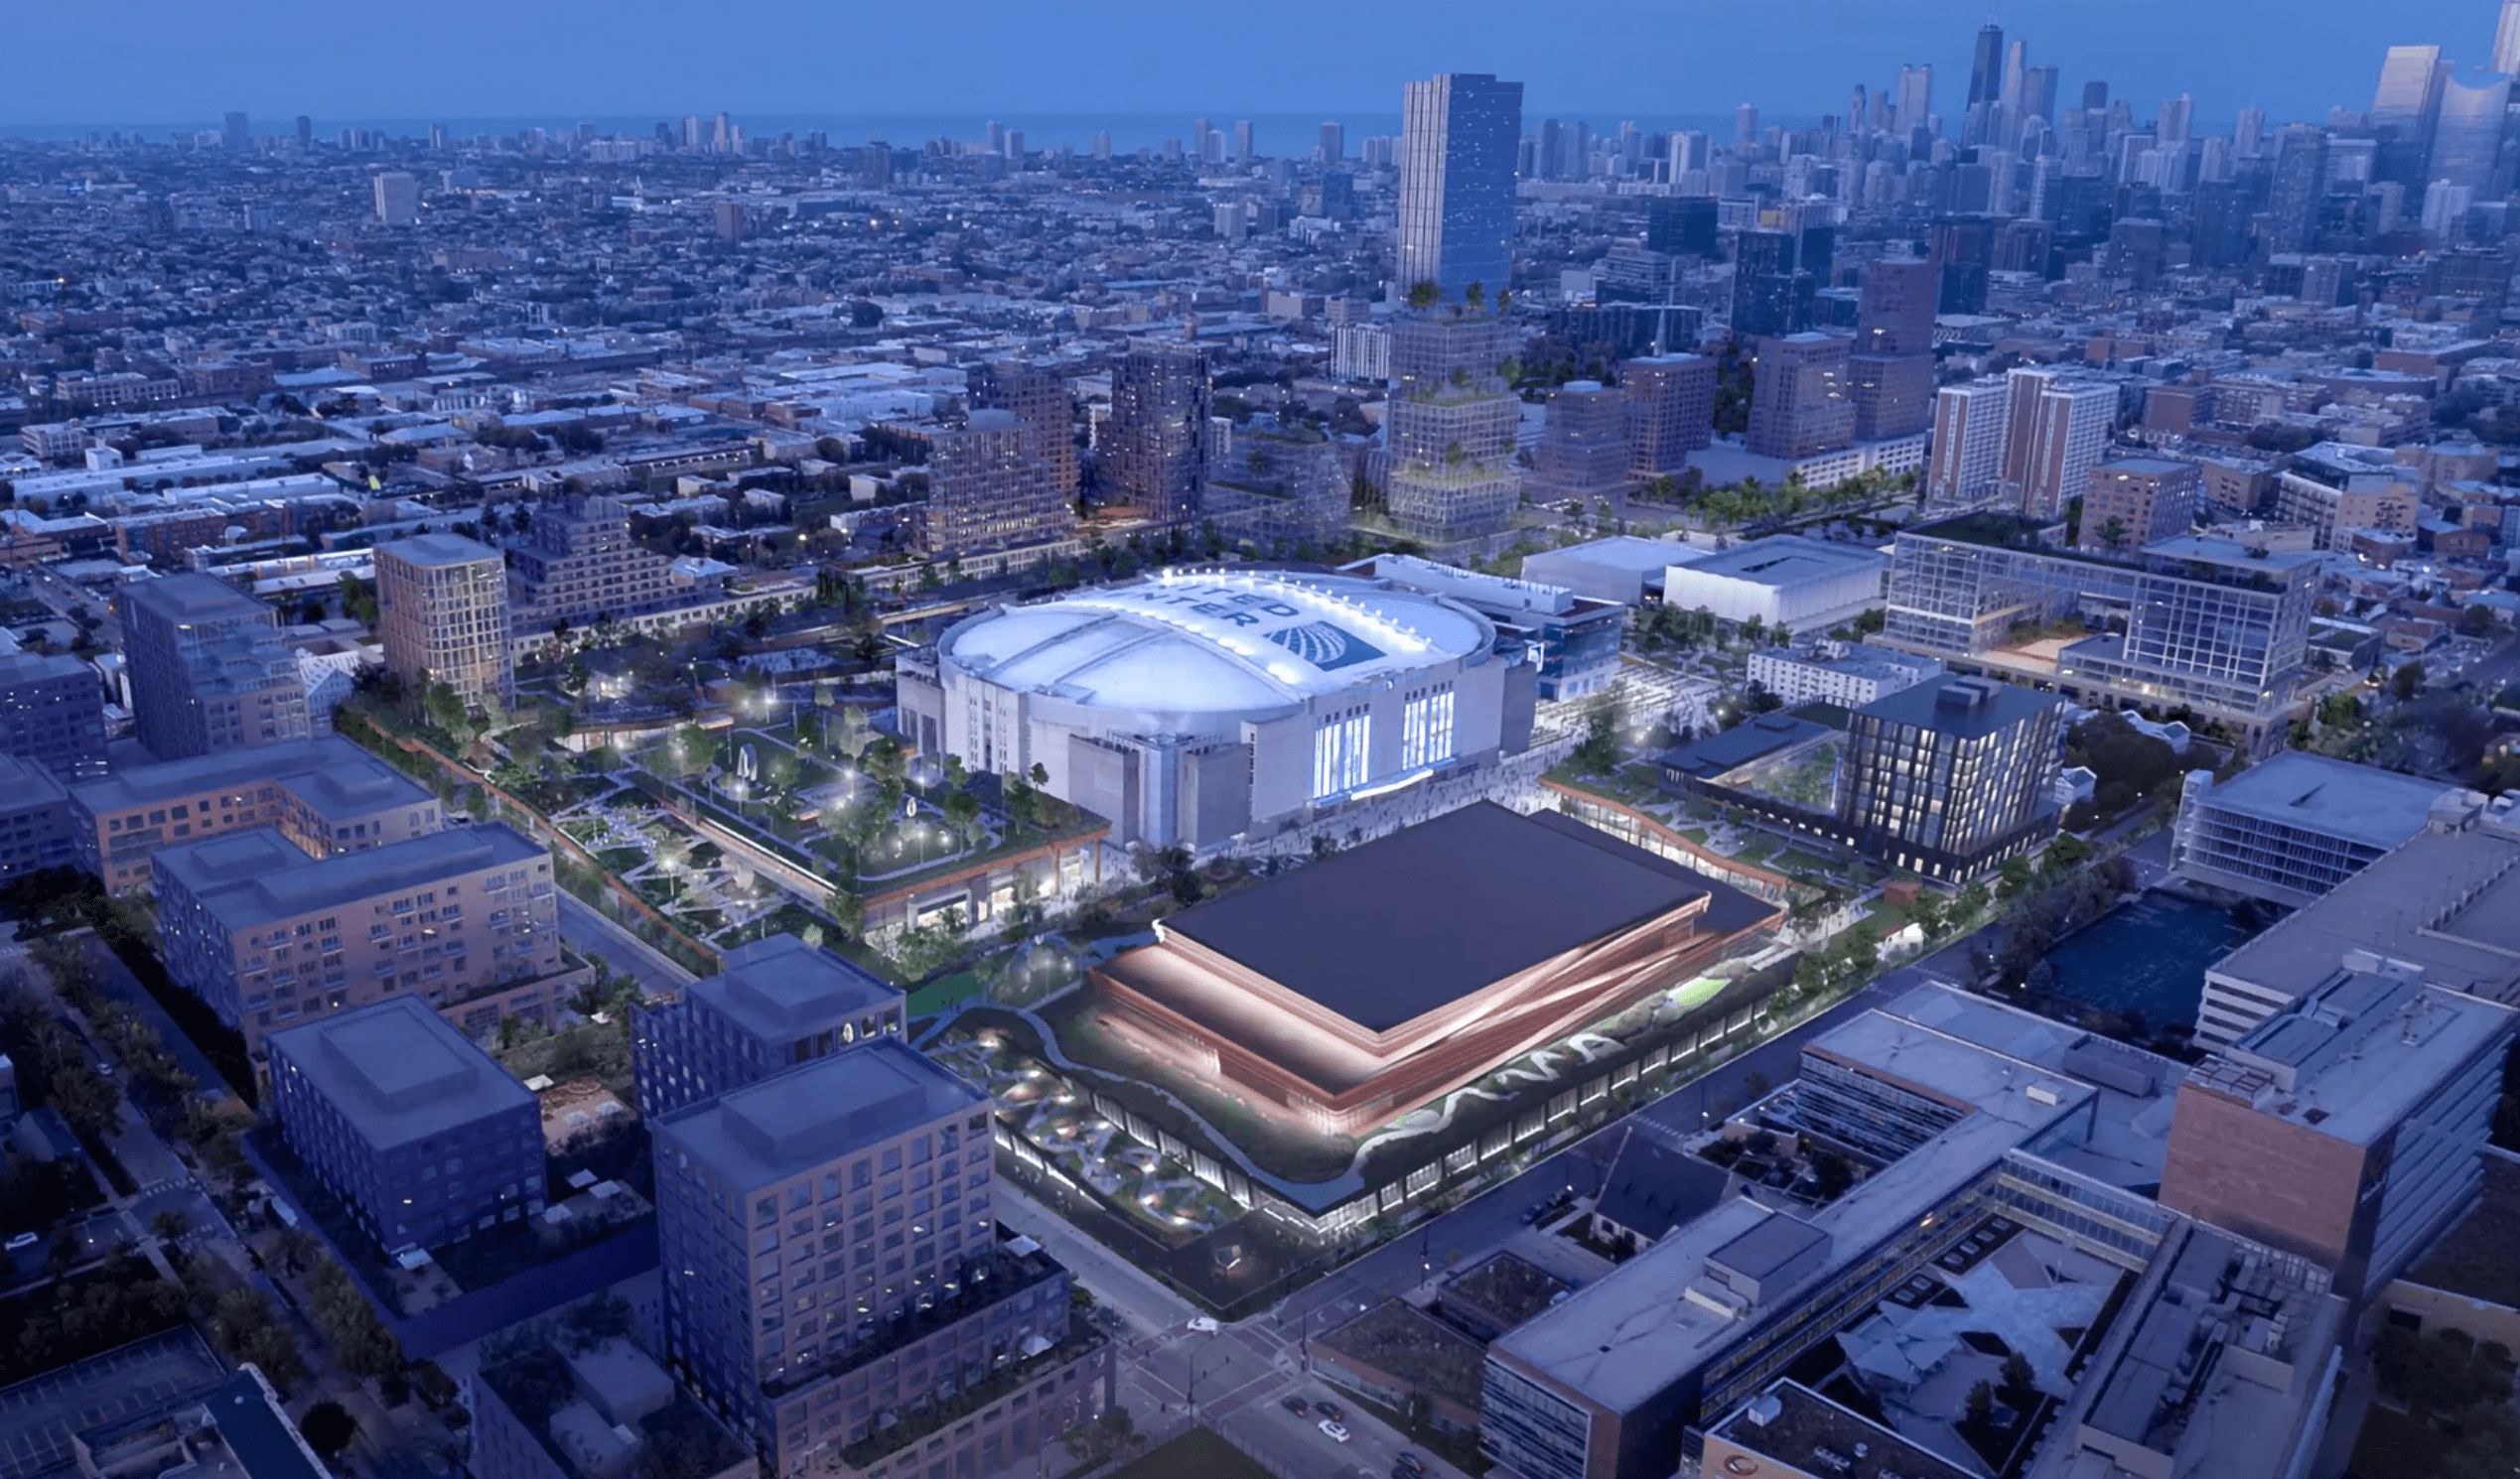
(155, 64)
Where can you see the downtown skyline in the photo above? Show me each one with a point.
(183, 70)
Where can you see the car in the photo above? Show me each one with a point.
(24, 1241)
(1203, 1324)
(1297, 1405)
(1413, 1464)
(1331, 1411)
(1334, 1428)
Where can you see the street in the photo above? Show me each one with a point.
(1237, 1378)
(615, 948)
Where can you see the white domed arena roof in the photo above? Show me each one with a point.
(1214, 642)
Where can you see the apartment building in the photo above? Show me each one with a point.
(328, 796)
(1951, 776)
(1670, 411)
(580, 564)
(1847, 674)
(840, 1272)
(424, 1137)
(1801, 401)
(442, 615)
(52, 712)
(2134, 501)
(268, 936)
(774, 1004)
(989, 489)
(34, 825)
(209, 671)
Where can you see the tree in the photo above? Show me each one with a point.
(2017, 1376)
(2012, 877)
(1980, 1404)
(2406, 681)
(2113, 532)
(1115, 1432)
(693, 752)
(962, 813)
(328, 1428)
(446, 709)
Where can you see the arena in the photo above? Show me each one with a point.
(1354, 990)
(1200, 706)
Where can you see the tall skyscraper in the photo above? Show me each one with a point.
(1450, 426)
(1746, 126)
(442, 614)
(1799, 405)
(1967, 465)
(1332, 145)
(2038, 95)
(208, 671)
(1245, 150)
(2173, 124)
(2468, 137)
(306, 133)
(1460, 136)
(2248, 131)
(1986, 62)
(1157, 452)
(1891, 368)
(1771, 291)
(2059, 428)
(2404, 108)
(2300, 178)
(2506, 56)
(236, 137)
(1915, 96)
(1986, 82)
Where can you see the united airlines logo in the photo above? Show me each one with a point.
(1326, 647)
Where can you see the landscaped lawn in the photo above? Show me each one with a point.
(1199, 1454)
(944, 992)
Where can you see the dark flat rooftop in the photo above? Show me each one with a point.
(1752, 738)
(1392, 930)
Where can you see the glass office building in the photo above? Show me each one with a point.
(2196, 621)
(1460, 138)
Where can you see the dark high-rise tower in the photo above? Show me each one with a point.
(1986, 66)
(1157, 452)
(1891, 371)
